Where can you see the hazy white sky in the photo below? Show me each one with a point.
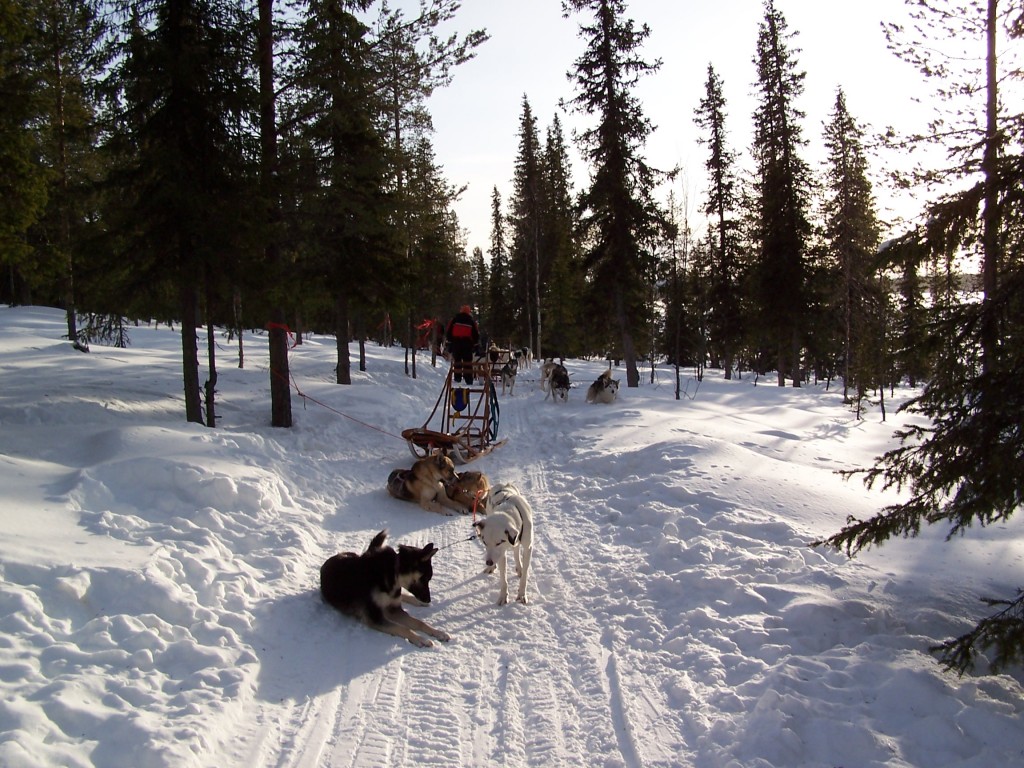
(532, 47)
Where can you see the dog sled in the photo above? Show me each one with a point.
(464, 422)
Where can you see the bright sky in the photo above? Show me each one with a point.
(532, 48)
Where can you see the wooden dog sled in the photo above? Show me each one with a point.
(464, 422)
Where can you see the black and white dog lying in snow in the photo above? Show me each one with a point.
(369, 587)
(604, 389)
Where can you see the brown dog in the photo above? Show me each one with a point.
(471, 490)
(428, 483)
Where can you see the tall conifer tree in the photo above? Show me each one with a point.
(349, 232)
(184, 89)
(499, 320)
(783, 189)
(23, 194)
(526, 221)
(963, 463)
(851, 234)
(619, 213)
(721, 208)
(562, 276)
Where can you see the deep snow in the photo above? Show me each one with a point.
(158, 602)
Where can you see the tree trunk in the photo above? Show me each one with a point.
(280, 390)
(211, 381)
(237, 306)
(628, 350)
(991, 214)
(280, 376)
(190, 354)
(344, 367)
(795, 351)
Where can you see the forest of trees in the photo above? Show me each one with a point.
(231, 165)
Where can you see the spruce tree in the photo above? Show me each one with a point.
(562, 276)
(963, 463)
(270, 203)
(68, 45)
(525, 221)
(349, 212)
(23, 185)
(851, 234)
(183, 87)
(412, 61)
(498, 321)
(619, 215)
(721, 209)
(783, 191)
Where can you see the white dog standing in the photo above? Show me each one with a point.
(508, 525)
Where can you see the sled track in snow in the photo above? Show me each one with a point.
(545, 684)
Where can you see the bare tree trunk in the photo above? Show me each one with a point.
(628, 350)
(189, 353)
(211, 358)
(344, 367)
(991, 215)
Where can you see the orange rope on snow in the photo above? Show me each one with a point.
(322, 404)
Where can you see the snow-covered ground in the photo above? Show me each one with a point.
(159, 605)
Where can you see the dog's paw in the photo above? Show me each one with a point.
(523, 599)
(441, 635)
(503, 600)
(489, 569)
(421, 642)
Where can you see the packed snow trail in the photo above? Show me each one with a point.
(159, 603)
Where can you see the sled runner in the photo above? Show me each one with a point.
(464, 422)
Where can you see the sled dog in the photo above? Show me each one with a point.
(369, 587)
(508, 525)
(557, 383)
(471, 490)
(428, 483)
(604, 389)
(524, 357)
(545, 372)
(508, 375)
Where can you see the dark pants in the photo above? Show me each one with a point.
(462, 362)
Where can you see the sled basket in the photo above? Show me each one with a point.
(464, 422)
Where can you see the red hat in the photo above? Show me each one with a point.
(465, 308)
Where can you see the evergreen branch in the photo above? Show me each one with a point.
(1003, 632)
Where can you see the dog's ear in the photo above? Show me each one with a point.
(513, 535)
(429, 551)
(479, 525)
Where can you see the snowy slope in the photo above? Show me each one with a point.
(158, 602)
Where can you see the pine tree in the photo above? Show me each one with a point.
(412, 61)
(620, 217)
(183, 84)
(498, 321)
(270, 203)
(851, 234)
(526, 221)
(562, 276)
(68, 56)
(783, 184)
(721, 209)
(964, 465)
(349, 212)
(23, 185)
